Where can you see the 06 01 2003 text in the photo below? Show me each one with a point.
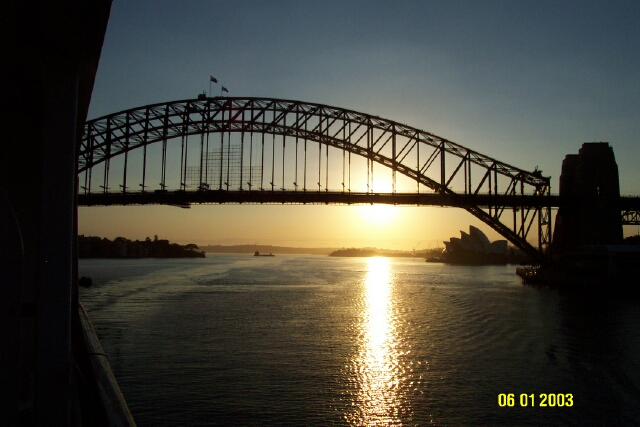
(544, 399)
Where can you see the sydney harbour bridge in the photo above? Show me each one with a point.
(256, 150)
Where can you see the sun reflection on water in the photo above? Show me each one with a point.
(376, 366)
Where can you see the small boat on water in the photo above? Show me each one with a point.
(259, 254)
(529, 273)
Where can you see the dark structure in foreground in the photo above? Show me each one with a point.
(50, 373)
(588, 242)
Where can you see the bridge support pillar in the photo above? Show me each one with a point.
(590, 190)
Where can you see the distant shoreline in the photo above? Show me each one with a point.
(336, 252)
(122, 248)
(365, 253)
(251, 249)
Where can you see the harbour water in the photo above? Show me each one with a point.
(237, 340)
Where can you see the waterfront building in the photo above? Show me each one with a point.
(475, 248)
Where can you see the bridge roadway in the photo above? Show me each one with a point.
(186, 198)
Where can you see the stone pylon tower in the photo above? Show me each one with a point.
(590, 188)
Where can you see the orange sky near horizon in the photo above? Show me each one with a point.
(381, 226)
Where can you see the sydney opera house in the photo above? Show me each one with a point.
(475, 248)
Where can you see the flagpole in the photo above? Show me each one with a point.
(214, 80)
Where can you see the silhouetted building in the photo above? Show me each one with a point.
(590, 214)
(475, 248)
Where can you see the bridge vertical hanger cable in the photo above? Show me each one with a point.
(522, 216)
(264, 113)
(372, 154)
(343, 155)
(230, 108)
(489, 184)
(319, 151)
(221, 148)
(273, 151)
(368, 157)
(464, 166)
(207, 123)
(242, 149)
(126, 155)
(87, 179)
(349, 157)
(326, 173)
(395, 159)
(105, 182)
(499, 210)
(469, 175)
(443, 168)
(540, 237)
(284, 147)
(186, 159)
(165, 124)
(295, 183)
(144, 149)
(304, 188)
(495, 180)
(417, 161)
(252, 115)
(515, 215)
(87, 171)
(201, 183)
(165, 132)
(182, 184)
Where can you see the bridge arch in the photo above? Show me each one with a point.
(490, 188)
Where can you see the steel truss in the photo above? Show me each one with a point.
(631, 217)
(429, 160)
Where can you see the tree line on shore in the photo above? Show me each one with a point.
(120, 247)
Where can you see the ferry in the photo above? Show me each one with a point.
(258, 254)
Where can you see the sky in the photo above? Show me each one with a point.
(524, 82)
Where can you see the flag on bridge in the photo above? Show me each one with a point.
(224, 89)
(213, 79)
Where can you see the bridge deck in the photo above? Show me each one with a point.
(186, 198)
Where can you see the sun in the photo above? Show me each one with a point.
(378, 214)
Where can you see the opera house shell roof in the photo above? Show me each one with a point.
(475, 248)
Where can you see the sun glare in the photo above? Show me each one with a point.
(378, 214)
(376, 365)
